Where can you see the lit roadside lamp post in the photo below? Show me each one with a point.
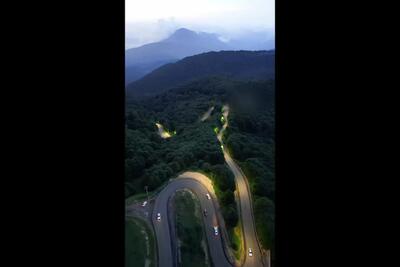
(147, 193)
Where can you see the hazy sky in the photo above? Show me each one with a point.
(152, 20)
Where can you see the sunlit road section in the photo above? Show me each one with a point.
(246, 210)
(161, 131)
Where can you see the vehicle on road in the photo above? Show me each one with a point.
(158, 217)
(205, 213)
(250, 252)
(144, 204)
(208, 196)
(215, 230)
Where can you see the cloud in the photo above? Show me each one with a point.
(225, 12)
(139, 33)
(153, 20)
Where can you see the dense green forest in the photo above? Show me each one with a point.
(151, 160)
(238, 65)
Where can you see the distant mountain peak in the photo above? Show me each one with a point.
(182, 43)
(183, 31)
(182, 34)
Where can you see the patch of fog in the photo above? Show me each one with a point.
(207, 114)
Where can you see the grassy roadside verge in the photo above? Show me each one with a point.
(236, 238)
(190, 230)
(143, 196)
(139, 244)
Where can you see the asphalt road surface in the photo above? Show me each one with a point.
(162, 228)
(247, 215)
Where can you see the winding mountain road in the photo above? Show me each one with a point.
(162, 228)
(246, 210)
(245, 203)
(200, 185)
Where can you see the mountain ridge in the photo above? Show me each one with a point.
(248, 65)
(180, 44)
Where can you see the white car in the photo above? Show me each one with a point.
(250, 252)
(144, 204)
(215, 230)
(208, 196)
(158, 217)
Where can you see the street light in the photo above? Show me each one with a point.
(147, 192)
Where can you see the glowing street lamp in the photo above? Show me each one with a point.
(147, 192)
